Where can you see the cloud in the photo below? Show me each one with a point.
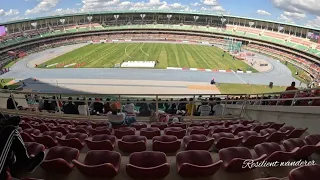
(213, 8)
(286, 19)
(195, 4)
(298, 6)
(10, 12)
(42, 6)
(315, 23)
(64, 11)
(263, 12)
(210, 2)
(295, 15)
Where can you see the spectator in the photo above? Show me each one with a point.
(191, 107)
(115, 118)
(204, 109)
(290, 95)
(218, 108)
(77, 102)
(11, 104)
(97, 106)
(129, 107)
(143, 105)
(83, 108)
(106, 106)
(70, 108)
(152, 105)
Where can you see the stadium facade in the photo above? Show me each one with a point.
(298, 42)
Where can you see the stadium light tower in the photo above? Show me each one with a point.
(90, 19)
(195, 19)
(169, 16)
(142, 17)
(251, 23)
(116, 17)
(62, 21)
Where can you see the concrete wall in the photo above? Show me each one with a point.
(298, 116)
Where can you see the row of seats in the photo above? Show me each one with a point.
(152, 165)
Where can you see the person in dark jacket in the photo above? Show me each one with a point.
(11, 102)
(70, 108)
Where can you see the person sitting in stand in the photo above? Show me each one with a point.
(129, 108)
(11, 104)
(115, 118)
(218, 108)
(13, 152)
(70, 108)
(191, 107)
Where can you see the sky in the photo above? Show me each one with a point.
(301, 12)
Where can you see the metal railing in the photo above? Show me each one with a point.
(159, 103)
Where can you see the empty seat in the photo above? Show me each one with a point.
(101, 142)
(257, 127)
(100, 163)
(124, 131)
(59, 159)
(287, 129)
(34, 148)
(270, 178)
(224, 140)
(42, 127)
(218, 129)
(166, 144)
(148, 165)
(304, 150)
(139, 125)
(246, 122)
(227, 123)
(99, 124)
(48, 138)
(25, 126)
(273, 135)
(251, 138)
(305, 173)
(198, 130)
(179, 132)
(26, 137)
(233, 159)
(74, 140)
(200, 124)
(236, 128)
(215, 123)
(178, 124)
(59, 128)
(296, 133)
(61, 121)
(274, 152)
(196, 163)
(101, 130)
(132, 143)
(274, 125)
(312, 139)
(80, 123)
(151, 132)
(197, 142)
(160, 125)
(33, 131)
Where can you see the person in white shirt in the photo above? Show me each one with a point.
(83, 108)
(218, 108)
(114, 117)
(204, 109)
(129, 108)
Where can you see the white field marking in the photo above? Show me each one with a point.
(52, 65)
(125, 50)
(239, 77)
(142, 50)
(70, 65)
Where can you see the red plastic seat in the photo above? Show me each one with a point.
(102, 142)
(304, 150)
(274, 125)
(197, 142)
(42, 127)
(166, 144)
(179, 132)
(52, 121)
(48, 138)
(151, 132)
(26, 137)
(218, 129)
(61, 121)
(296, 133)
(59, 159)
(246, 122)
(74, 140)
(270, 178)
(34, 148)
(287, 129)
(257, 127)
(233, 159)
(198, 130)
(101, 130)
(312, 139)
(132, 143)
(251, 138)
(100, 163)
(148, 165)
(25, 126)
(80, 123)
(215, 123)
(196, 163)
(227, 123)
(178, 124)
(197, 124)
(239, 128)
(99, 124)
(305, 173)
(78, 130)
(139, 125)
(224, 140)
(33, 131)
(274, 152)
(273, 135)
(124, 131)
(60, 128)
(160, 125)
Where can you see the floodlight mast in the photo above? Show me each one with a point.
(62, 21)
(90, 19)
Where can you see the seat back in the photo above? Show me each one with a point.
(147, 159)
(97, 157)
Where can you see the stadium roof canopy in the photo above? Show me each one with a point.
(203, 13)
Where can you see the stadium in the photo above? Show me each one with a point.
(160, 70)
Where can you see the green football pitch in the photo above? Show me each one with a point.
(168, 55)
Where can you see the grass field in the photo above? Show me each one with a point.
(303, 77)
(247, 89)
(168, 55)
